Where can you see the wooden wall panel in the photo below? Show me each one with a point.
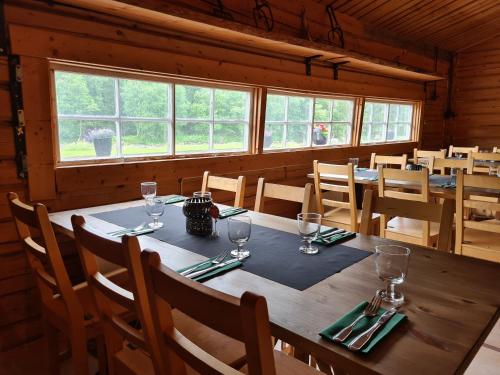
(476, 97)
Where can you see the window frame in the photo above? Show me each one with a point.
(313, 96)
(414, 122)
(170, 120)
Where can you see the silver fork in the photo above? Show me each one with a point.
(370, 310)
(219, 259)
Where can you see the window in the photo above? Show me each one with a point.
(211, 120)
(299, 121)
(386, 122)
(102, 117)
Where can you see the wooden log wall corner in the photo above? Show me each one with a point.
(39, 32)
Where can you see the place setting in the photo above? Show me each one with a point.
(363, 327)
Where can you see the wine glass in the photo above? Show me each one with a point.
(453, 176)
(391, 262)
(459, 155)
(309, 224)
(148, 189)
(200, 194)
(238, 231)
(155, 208)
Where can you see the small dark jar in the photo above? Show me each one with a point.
(198, 219)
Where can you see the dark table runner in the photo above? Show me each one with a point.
(434, 179)
(274, 254)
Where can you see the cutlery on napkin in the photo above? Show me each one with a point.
(227, 212)
(359, 341)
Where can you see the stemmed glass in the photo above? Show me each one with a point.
(453, 176)
(391, 262)
(309, 224)
(459, 155)
(238, 231)
(155, 208)
(148, 189)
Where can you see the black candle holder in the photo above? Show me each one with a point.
(198, 219)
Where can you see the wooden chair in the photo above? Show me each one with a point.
(343, 214)
(245, 319)
(479, 239)
(445, 164)
(482, 156)
(388, 160)
(401, 228)
(496, 149)
(431, 155)
(462, 150)
(283, 192)
(67, 309)
(225, 183)
(129, 348)
(426, 211)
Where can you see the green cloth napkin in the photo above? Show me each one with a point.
(448, 186)
(227, 212)
(213, 273)
(170, 199)
(362, 326)
(329, 241)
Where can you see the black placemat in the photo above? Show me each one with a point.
(274, 254)
(434, 179)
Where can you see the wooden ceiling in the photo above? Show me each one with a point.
(451, 25)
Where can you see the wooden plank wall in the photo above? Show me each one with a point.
(476, 97)
(39, 32)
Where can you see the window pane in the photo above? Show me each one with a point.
(275, 108)
(342, 110)
(192, 102)
(379, 112)
(403, 132)
(297, 135)
(231, 105)
(367, 113)
(365, 133)
(378, 133)
(341, 134)
(273, 136)
(192, 137)
(144, 98)
(83, 139)
(393, 112)
(391, 131)
(405, 113)
(84, 94)
(229, 137)
(299, 108)
(142, 138)
(322, 109)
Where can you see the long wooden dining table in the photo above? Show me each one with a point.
(452, 302)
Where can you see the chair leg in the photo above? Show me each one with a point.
(52, 347)
(102, 355)
(79, 354)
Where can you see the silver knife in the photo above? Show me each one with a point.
(364, 337)
(206, 270)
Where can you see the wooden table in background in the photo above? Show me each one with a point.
(452, 302)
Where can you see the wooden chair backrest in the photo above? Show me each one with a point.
(283, 192)
(426, 211)
(496, 149)
(483, 156)
(107, 294)
(414, 178)
(245, 319)
(53, 279)
(444, 164)
(236, 185)
(464, 202)
(431, 155)
(388, 160)
(349, 189)
(463, 150)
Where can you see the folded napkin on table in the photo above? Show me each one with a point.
(325, 237)
(362, 326)
(213, 273)
(173, 198)
(227, 212)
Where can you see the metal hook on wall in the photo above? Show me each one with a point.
(262, 11)
(335, 35)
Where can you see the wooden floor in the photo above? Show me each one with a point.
(30, 359)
